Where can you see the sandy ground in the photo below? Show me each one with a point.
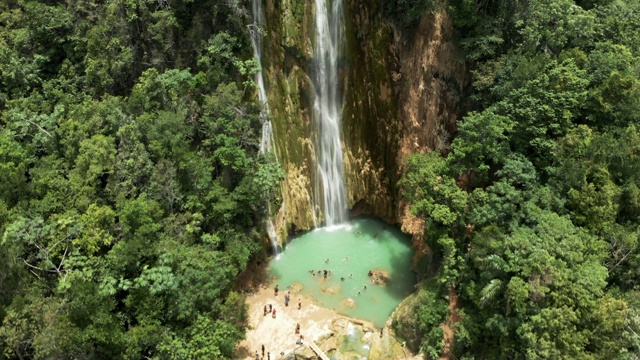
(278, 335)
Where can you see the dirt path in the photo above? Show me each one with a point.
(448, 327)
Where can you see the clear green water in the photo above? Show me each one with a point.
(363, 244)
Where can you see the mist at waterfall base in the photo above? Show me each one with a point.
(353, 249)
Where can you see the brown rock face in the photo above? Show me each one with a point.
(400, 96)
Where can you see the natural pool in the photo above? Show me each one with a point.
(352, 250)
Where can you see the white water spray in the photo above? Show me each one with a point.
(271, 230)
(328, 111)
(351, 330)
(266, 141)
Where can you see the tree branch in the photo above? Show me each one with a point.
(39, 127)
(63, 256)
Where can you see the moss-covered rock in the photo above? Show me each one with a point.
(399, 97)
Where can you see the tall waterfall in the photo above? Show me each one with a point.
(256, 31)
(328, 111)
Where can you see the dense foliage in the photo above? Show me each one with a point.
(533, 213)
(131, 188)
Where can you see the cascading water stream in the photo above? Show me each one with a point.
(256, 42)
(267, 130)
(328, 112)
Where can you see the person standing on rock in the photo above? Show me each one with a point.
(299, 304)
(270, 308)
(286, 300)
(276, 290)
(297, 328)
(265, 311)
(262, 350)
(274, 313)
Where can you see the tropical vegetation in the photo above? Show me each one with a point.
(132, 190)
(533, 212)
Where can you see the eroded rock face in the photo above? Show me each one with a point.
(371, 130)
(400, 97)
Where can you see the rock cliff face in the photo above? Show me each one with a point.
(400, 96)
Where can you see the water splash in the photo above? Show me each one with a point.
(271, 230)
(255, 30)
(328, 112)
(351, 330)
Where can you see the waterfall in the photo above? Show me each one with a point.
(255, 30)
(271, 231)
(328, 111)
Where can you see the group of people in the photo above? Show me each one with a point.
(377, 278)
(268, 354)
(287, 299)
(262, 358)
(327, 273)
(270, 309)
